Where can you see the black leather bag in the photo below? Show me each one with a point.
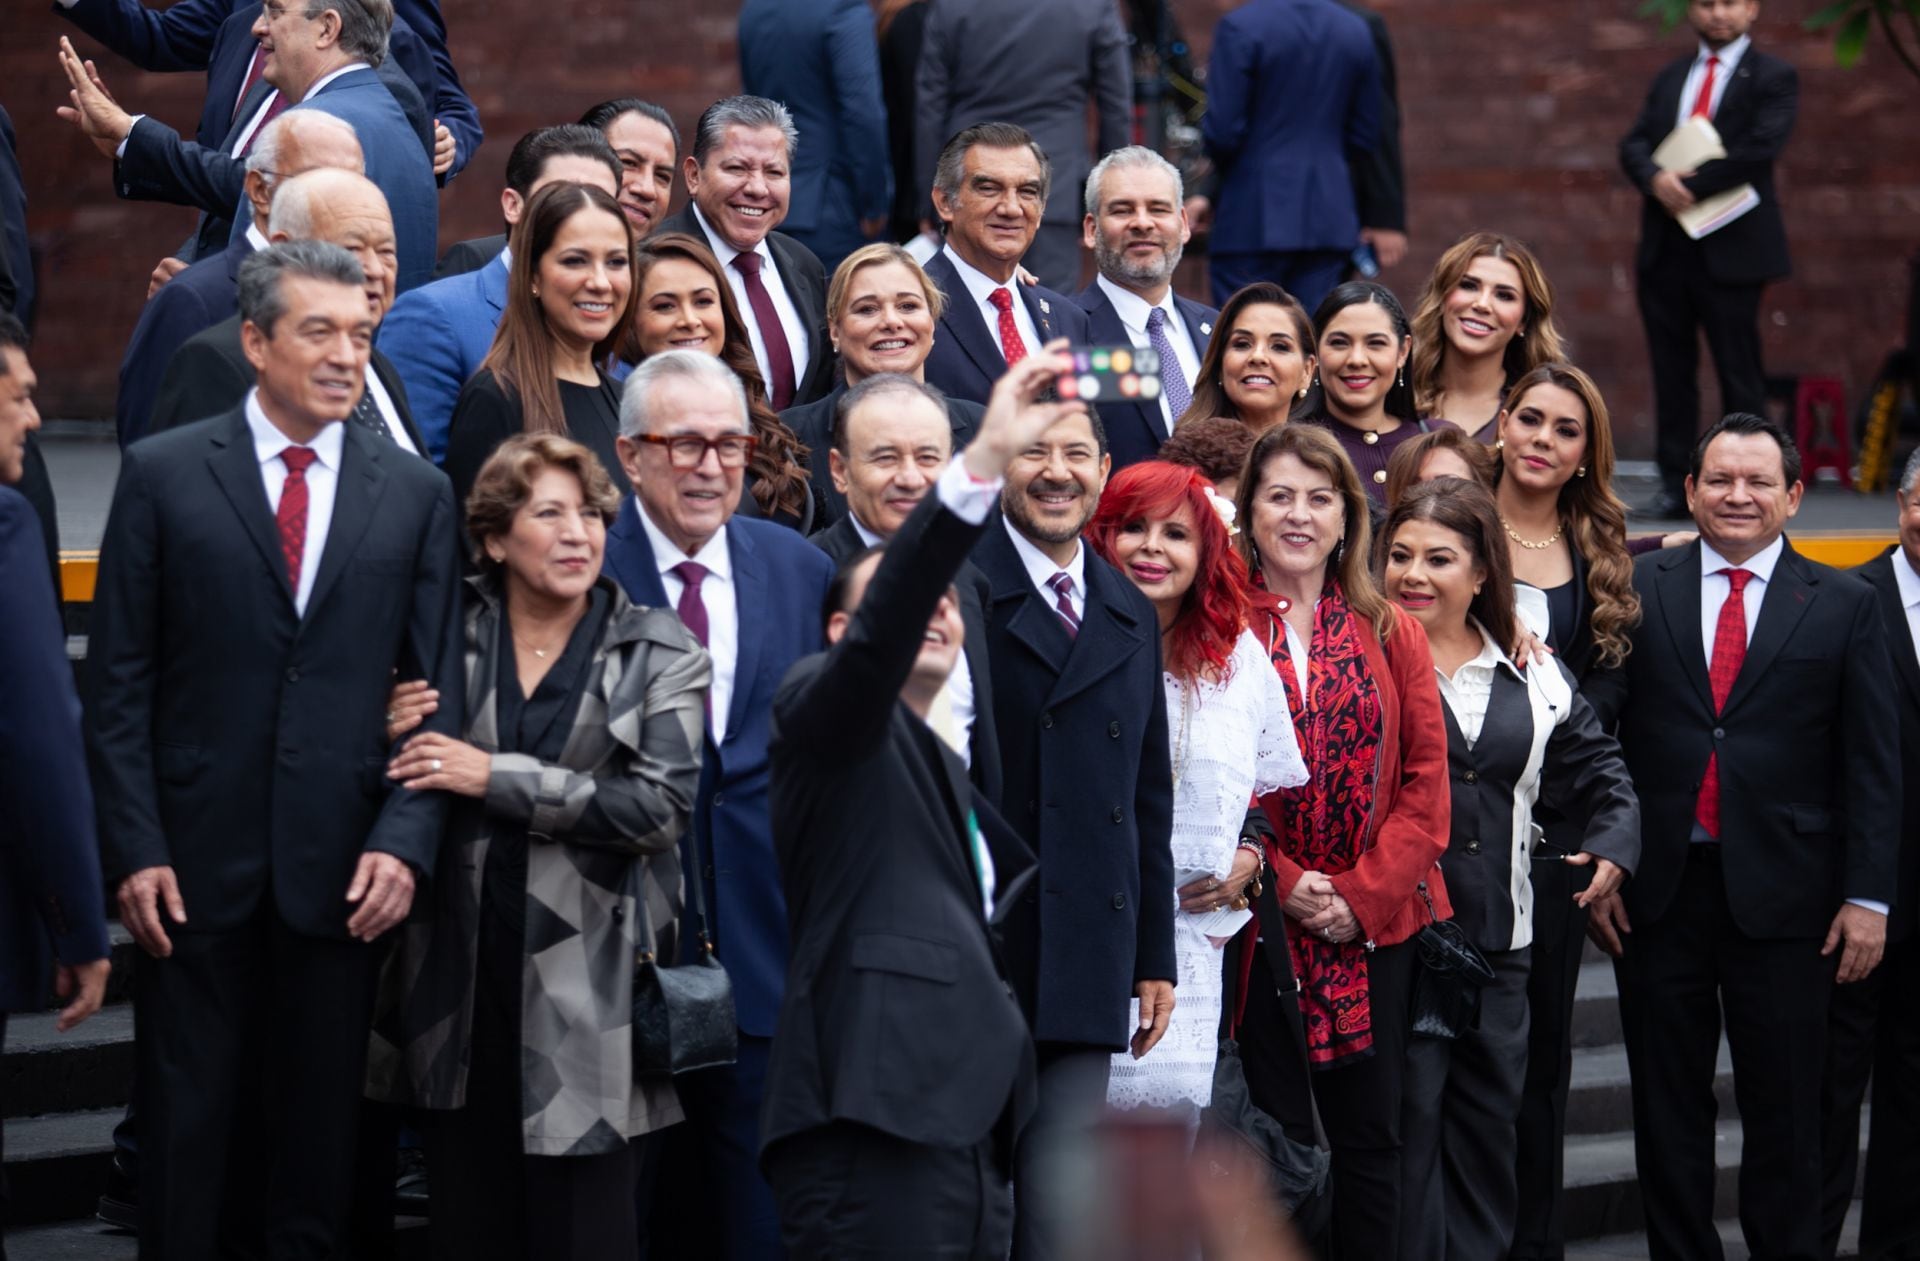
(1446, 989)
(682, 1016)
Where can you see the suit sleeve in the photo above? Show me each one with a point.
(170, 317)
(933, 88)
(420, 343)
(1637, 146)
(45, 800)
(1870, 755)
(1229, 92)
(1363, 112)
(1586, 777)
(176, 38)
(449, 101)
(1112, 79)
(1153, 815)
(199, 382)
(159, 166)
(1752, 153)
(855, 57)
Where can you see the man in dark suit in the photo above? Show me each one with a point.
(739, 180)
(903, 1068)
(819, 59)
(204, 294)
(751, 592)
(435, 336)
(16, 253)
(1286, 209)
(256, 847)
(989, 188)
(1757, 722)
(212, 371)
(1711, 285)
(1380, 178)
(52, 924)
(1038, 66)
(1875, 1029)
(891, 437)
(1137, 229)
(1082, 723)
(647, 143)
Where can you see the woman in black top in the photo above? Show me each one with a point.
(569, 302)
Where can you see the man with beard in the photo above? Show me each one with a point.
(1082, 723)
(1137, 228)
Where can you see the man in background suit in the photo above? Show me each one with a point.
(1713, 285)
(16, 253)
(1137, 229)
(819, 59)
(647, 142)
(204, 294)
(257, 849)
(1286, 209)
(211, 371)
(435, 336)
(751, 592)
(989, 187)
(1876, 1025)
(1380, 178)
(52, 924)
(891, 437)
(739, 180)
(1037, 66)
(1760, 731)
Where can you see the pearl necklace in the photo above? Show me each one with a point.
(1528, 543)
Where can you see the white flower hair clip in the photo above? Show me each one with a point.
(1224, 509)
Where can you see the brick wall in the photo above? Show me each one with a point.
(1512, 114)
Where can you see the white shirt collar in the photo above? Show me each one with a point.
(506, 257)
(978, 283)
(269, 442)
(713, 554)
(722, 248)
(860, 527)
(256, 238)
(1729, 56)
(1134, 311)
(1906, 578)
(1040, 566)
(325, 79)
(1760, 564)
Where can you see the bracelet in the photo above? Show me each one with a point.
(1259, 869)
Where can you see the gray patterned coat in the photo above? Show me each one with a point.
(635, 750)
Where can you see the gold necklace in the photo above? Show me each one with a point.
(541, 653)
(1528, 543)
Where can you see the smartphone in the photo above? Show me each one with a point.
(1108, 374)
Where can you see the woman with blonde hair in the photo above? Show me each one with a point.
(1484, 320)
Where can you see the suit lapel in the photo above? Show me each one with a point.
(630, 557)
(1028, 619)
(1679, 586)
(236, 467)
(1899, 638)
(397, 391)
(1674, 84)
(362, 481)
(749, 592)
(1109, 634)
(1040, 309)
(801, 292)
(493, 282)
(964, 323)
(1199, 320)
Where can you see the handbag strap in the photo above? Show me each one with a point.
(697, 900)
(1270, 931)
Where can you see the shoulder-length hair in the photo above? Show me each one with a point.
(1219, 604)
(1596, 519)
(779, 476)
(505, 484)
(1403, 466)
(1209, 395)
(1537, 342)
(1466, 508)
(1399, 400)
(1351, 562)
(522, 356)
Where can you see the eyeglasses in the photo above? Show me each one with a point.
(689, 451)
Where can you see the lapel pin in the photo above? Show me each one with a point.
(1206, 329)
(1044, 308)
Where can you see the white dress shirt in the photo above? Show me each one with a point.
(783, 305)
(1908, 581)
(980, 287)
(1041, 569)
(1134, 312)
(1469, 690)
(323, 481)
(720, 596)
(1722, 75)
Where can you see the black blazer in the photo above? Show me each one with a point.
(1808, 765)
(1135, 429)
(210, 375)
(233, 738)
(812, 423)
(966, 358)
(898, 1013)
(1082, 725)
(1755, 116)
(806, 281)
(1878, 574)
(465, 256)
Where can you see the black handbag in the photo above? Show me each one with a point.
(1446, 989)
(682, 1016)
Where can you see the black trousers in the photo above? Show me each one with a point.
(1678, 303)
(252, 1050)
(706, 1195)
(848, 1192)
(1360, 1103)
(1678, 975)
(1875, 1033)
(1055, 1145)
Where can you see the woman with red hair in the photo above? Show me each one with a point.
(1232, 737)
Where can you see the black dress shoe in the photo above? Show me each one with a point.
(410, 1186)
(120, 1202)
(1666, 506)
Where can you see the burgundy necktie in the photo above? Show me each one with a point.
(256, 70)
(773, 334)
(692, 609)
(1011, 345)
(1703, 103)
(1062, 584)
(1729, 651)
(276, 101)
(291, 516)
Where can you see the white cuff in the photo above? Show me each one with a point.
(1868, 904)
(964, 496)
(120, 150)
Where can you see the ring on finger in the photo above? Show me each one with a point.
(436, 766)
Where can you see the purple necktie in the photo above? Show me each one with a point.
(772, 333)
(692, 609)
(1062, 584)
(1172, 380)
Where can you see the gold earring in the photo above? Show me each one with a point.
(1581, 471)
(1499, 444)
(1403, 378)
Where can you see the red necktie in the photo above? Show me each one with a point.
(1062, 584)
(291, 516)
(1010, 344)
(256, 69)
(1729, 652)
(772, 333)
(1703, 104)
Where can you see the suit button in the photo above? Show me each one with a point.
(1473, 847)
(1046, 720)
(1113, 731)
(620, 913)
(718, 800)
(1118, 815)
(1380, 477)
(1119, 901)
(1719, 733)
(293, 674)
(1472, 777)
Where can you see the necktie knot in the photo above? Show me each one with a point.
(1713, 62)
(748, 263)
(691, 573)
(297, 460)
(1739, 579)
(1002, 300)
(1157, 320)
(1062, 584)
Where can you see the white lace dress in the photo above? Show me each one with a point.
(1232, 741)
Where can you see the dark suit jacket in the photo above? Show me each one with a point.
(1082, 725)
(465, 256)
(806, 282)
(1808, 767)
(1379, 178)
(779, 584)
(1135, 430)
(842, 542)
(1312, 63)
(1878, 574)
(50, 889)
(210, 375)
(812, 423)
(16, 253)
(276, 790)
(203, 295)
(1755, 116)
(966, 359)
(898, 1013)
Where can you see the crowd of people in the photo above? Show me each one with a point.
(693, 735)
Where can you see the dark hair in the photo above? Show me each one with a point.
(1403, 466)
(13, 334)
(260, 293)
(1216, 445)
(835, 600)
(533, 151)
(1399, 400)
(505, 484)
(1748, 423)
(953, 155)
(879, 383)
(1466, 508)
(602, 116)
(1209, 394)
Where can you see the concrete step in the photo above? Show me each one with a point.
(57, 1164)
(1633, 1247)
(1600, 1093)
(91, 1240)
(1596, 1005)
(46, 1071)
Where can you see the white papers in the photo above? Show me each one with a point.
(1685, 149)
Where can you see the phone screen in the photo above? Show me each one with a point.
(1109, 374)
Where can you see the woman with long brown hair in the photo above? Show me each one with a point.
(1483, 321)
(1446, 452)
(1259, 361)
